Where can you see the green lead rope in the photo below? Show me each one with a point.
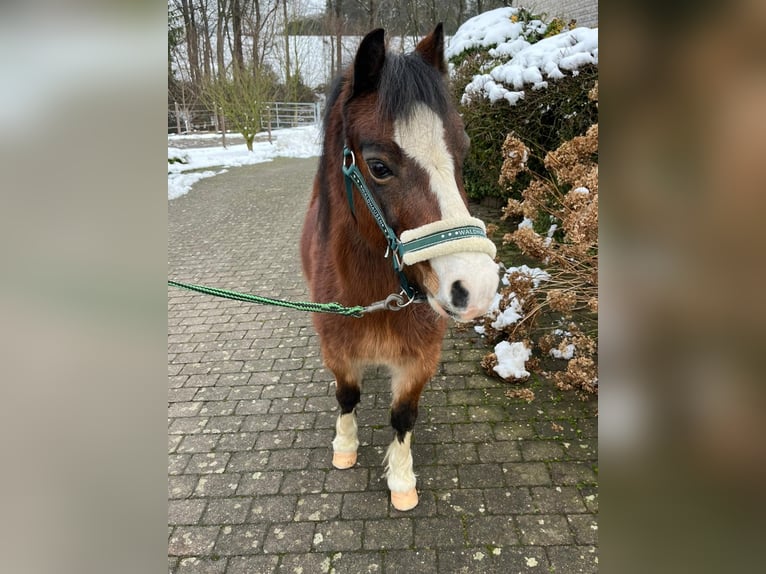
(335, 308)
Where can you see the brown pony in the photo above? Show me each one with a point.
(391, 116)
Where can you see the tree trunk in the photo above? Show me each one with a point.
(207, 50)
(338, 35)
(220, 26)
(236, 21)
(288, 83)
(192, 35)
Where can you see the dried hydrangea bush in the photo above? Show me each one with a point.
(558, 315)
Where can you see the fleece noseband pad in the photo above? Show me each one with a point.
(458, 235)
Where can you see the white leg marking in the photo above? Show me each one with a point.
(346, 442)
(401, 478)
(398, 463)
(345, 433)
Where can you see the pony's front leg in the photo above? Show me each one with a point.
(346, 441)
(398, 460)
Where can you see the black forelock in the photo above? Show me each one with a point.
(406, 80)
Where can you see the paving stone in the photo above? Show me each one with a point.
(572, 473)
(303, 482)
(181, 486)
(357, 562)
(227, 511)
(439, 532)
(318, 507)
(275, 440)
(509, 501)
(365, 505)
(573, 559)
(513, 430)
(211, 462)
(194, 565)
(273, 508)
(526, 474)
(289, 459)
(260, 423)
(252, 565)
(290, 537)
(388, 533)
(177, 463)
(544, 529)
(173, 442)
(217, 425)
(461, 502)
(192, 540)
(488, 413)
(260, 483)
(541, 450)
(563, 499)
(217, 485)
(457, 453)
(198, 443)
(499, 451)
(184, 409)
(240, 539)
(493, 560)
(585, 528)
(306, 563)
(438, 477)
(185, 511)
(422, 561)
(481, 476)
(216, 407)
(188, 425)
(496, 531)
(231, 442)
(348, 480)
(338, 535)
(253, 406)
(248, 461)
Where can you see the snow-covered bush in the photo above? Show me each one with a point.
(512, 70)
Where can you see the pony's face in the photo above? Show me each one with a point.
(413, 163)
(461, 285)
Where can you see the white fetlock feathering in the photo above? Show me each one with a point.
(398, 464)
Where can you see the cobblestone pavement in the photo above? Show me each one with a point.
(505, 486)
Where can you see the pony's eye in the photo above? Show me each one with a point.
(378, 169)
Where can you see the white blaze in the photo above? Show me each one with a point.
(421, 136)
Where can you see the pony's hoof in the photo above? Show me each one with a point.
(343, 460)
(404, 500)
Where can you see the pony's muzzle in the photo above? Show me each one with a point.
(467, 285)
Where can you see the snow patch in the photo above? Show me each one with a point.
(511, 359)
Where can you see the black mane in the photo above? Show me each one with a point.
(404, 81)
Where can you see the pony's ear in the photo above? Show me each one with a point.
(368, 62)
(431, 49)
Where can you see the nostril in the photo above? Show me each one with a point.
(459, 295)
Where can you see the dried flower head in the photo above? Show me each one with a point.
(593, 93)
(561, 300)
(512, 209)
(515, 156)
(530, 242)
(525, 394)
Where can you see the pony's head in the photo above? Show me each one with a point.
(409, 143)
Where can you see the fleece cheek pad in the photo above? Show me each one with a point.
(459, 235)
